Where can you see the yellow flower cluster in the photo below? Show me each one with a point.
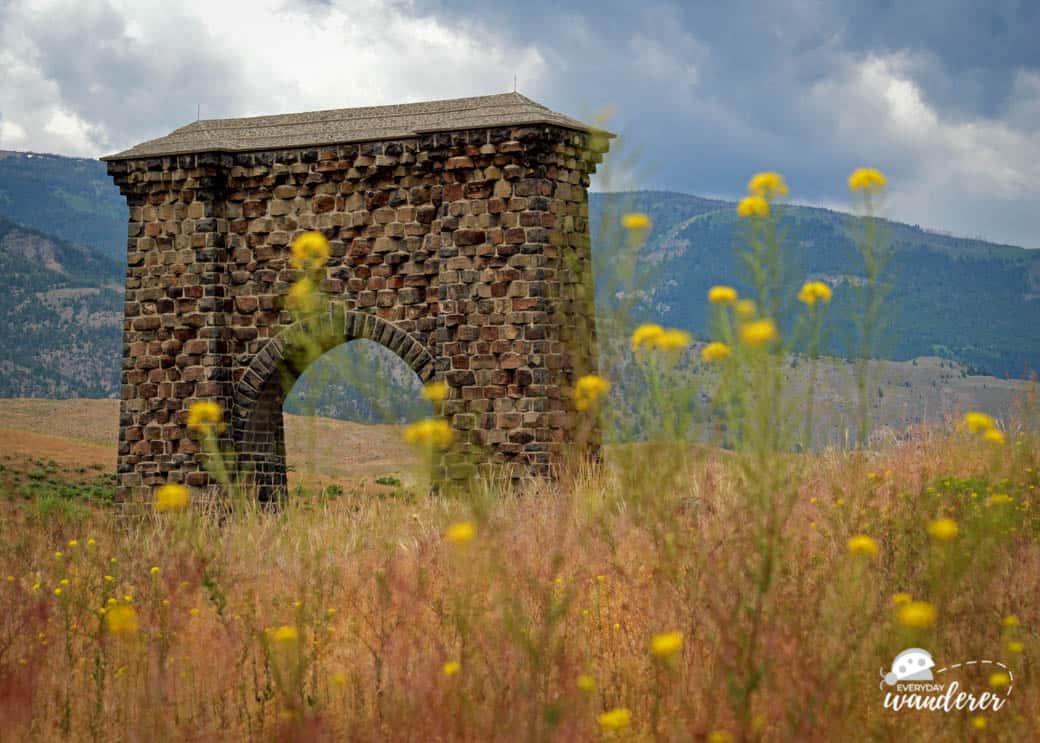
(917, 615)
(813, 292)
(303, 296)
(122, 621)
(462, 532)
(435, 391)
(983, 424)
(451, 667)
(763, 188)
(588, 390)
(753, 206)
(171, 497)
(768, 185)
(310, 251)
(430, 433)
(285, 634)
(866, 179)
(616, 719)
(635, 221)
(206, 416)
(715, 351)
(722, 295)
(666, 645)
(759, 332)
(943, 529)
(861, 544)
(651, 335)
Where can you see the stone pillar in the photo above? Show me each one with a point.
(174, 347)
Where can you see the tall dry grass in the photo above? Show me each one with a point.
(567, 581)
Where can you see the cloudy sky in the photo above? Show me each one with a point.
(942, 96)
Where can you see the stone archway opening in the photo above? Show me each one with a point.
(258, 424)
(343, 420)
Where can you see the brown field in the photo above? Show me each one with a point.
(79, 434)
(652, 597)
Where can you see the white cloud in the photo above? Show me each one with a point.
(89, 76)
(968, 176)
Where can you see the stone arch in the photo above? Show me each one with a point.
(256, 422)
(461, 225)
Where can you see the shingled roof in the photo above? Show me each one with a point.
(342, 125)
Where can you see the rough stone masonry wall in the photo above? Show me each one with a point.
(456, 241)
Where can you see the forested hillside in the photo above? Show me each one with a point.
(969, 301)
(70, 198)
(62, 237)
(60, 317)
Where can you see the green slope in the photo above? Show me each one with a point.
(60, 317)
(973, 302)
(68, 197)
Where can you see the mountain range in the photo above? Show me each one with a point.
(62, 237)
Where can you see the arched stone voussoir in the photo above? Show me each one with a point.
(298, 345)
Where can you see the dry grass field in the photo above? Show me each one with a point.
(550, 616)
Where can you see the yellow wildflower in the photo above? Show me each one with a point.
(866, 179)
(338, 678)
(759, 332)
(977, 422)
(917, 614)
(310, 251)
(303, 296)
(451, 667)
(722, 295)
(205, 415)
(1010, 621)
(753, 206)
(720, 736)
(154, 570)
(435, 391)
(586, 683)
(813, 291)
(285, 634)
(171, 497)
(122, 620)
(999, 679)
(430, 433)
(995, 437)
(646, 335)
(767, 185)
(673, 340)
(1000, 499)
(1015, 647)
(462, 532)
(616, 719)
(635, 221)
(861, 544)
(978, 722)
(57, 592)
(715, 351)
(900, 599)
(588, 390)
(746, 309)
(943, 529)
(666, 645)
(73, 543)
